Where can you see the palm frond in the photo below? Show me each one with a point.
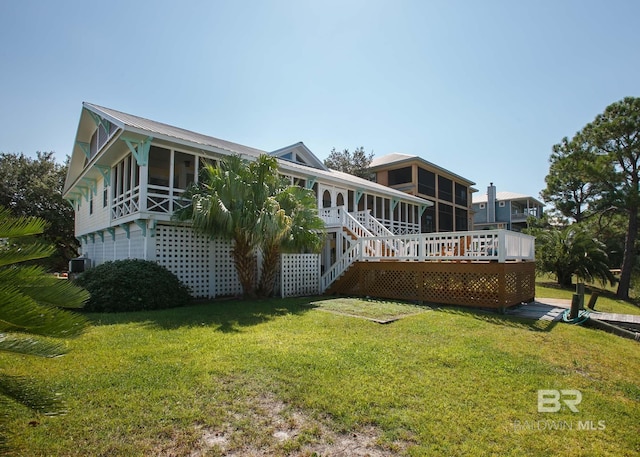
(11, 254)
(26, 392)
(15, 227)
(30, 346)
(45, 289)
(21, 313)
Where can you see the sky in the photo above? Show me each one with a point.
(481, 88)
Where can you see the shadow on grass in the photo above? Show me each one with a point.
(229, 315)
(492, 317)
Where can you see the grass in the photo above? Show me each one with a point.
(381, 311)
(607, 302)
(279, 377)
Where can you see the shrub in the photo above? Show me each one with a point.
(132, 285)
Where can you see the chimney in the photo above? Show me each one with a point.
(491, 203)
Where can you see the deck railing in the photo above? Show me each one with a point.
(482, 245)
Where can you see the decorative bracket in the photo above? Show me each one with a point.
(310, 182)
(139, 149)
(105, 172)
(423, 208)
(112, 232)
(142, 223)
(359, 194)
(394, 203)
(92, 237)
(86, 148)
(126, 229)
(101, 235)
(93, 186)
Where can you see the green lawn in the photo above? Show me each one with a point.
(607, 302)
(279, 377)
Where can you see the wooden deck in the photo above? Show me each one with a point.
(474, 284)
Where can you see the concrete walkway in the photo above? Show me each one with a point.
(551, 309)
(545, 309)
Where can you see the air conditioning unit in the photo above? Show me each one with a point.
(79, 264)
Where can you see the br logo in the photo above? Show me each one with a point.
(551, 400)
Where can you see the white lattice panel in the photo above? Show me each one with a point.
(225, 276)
(186, 254)
(300, 274)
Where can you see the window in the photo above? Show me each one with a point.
(184, 170)
(100, 136)
(159, 166)
(105, 194)
(445, 189)
(91, 206)
(445, 217)
(399, 176)
(461, 195)
(426, 182)
(428, 220)
(462, 221)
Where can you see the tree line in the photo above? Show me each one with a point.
(593, 188)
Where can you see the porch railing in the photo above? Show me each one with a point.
(483, 245)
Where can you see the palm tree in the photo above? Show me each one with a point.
(290, 224)
(250, 204)
(30, 307)
(572, 251)
(228, 202)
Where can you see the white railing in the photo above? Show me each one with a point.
(162, 199)
(483, 245)
(126, 203)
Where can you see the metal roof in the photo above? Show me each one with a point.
(132, 123)
(398, 158)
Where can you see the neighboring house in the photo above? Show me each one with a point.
(504, 210)
(449, 193)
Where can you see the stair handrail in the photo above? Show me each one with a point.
(379, 229)
(340, 266)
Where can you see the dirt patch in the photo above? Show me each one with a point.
(269, 427)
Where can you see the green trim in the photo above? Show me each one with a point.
(112, 232)
(423, 208)
(359, 194)
(152, 227)
(86, 148)
(105, 172)
(101, 235)
(394, 203)
(139, 149)
(71, 201)
(93, 185)
(142, 223)
(100, 121)
(92, 237)
(126, 229)
(310, 182)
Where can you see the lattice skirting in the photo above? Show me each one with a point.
(299, 274)
(486, 285)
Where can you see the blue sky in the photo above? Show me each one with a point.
(482, 88)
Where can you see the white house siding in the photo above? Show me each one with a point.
(87, 223)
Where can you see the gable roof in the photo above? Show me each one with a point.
(136, 124)
(398, 158)
(299, 153)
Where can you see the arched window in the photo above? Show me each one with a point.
(340, 200)
(326, 199)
